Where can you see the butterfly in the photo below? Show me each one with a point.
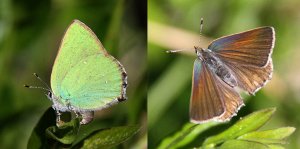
(84, 76)
(241, 60)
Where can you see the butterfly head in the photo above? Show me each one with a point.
(50, 95)
(199, 51)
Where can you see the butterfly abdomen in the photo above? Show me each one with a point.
(223, 72)
(219, 68)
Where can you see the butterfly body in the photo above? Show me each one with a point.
(216, 65)
(57, 105)
(240, 60)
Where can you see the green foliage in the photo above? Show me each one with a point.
(109, 138)
(269, 136)
(243, 144)
(248, 124)
(185, 136)
(69, 134)
(243, 134)
(66, 133)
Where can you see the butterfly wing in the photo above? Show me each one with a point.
(211, 98)
(251, 79)
(251, 48)
(247, 54)
(84, 75)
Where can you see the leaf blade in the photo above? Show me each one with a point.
(108, 138)
(273, 136)
(250, 123)
(186, 135)
(66, 133)
(243, 144)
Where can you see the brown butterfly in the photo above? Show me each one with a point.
(240, 60)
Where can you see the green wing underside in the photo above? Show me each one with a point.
(93, 83)
(84, 74)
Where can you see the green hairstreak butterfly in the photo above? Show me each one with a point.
(84, 76)
(240, 60)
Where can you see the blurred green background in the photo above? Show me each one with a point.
(174, 24)
(30, 33)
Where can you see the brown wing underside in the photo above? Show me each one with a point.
(211, 98)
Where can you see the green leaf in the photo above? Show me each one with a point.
(108, 138)
(239, 144)
(44, 136)
(38, 138)
(275, 147)
(273, 136)
(279, 133)
(66, 133)
(250, 123)
(188, 133)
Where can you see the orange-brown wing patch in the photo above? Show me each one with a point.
(250, 48)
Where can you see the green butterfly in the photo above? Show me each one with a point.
(84, 76)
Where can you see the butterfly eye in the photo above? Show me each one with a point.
(49, 95)
(124, 85)
(197, 50)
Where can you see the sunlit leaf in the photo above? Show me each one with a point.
(108, 138)
(239, 144)
(276, 147)
(273, 136)
(188, 133)
(250, 123)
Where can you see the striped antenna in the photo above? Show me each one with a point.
(173, 51)
(36, 75)
(38, 87)
(201, 27)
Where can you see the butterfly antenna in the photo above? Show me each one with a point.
(173, 51)
(201, 27)
(37, 76)
(37, 87)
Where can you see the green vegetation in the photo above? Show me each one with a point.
(243, 133)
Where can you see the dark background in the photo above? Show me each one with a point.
(30, 33)
(174, 24)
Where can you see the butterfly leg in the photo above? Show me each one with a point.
(57, 114)
(68, 103)
(77, 113)
(58, 120)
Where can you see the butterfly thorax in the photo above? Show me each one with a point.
(57, 106)
(216, 66)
